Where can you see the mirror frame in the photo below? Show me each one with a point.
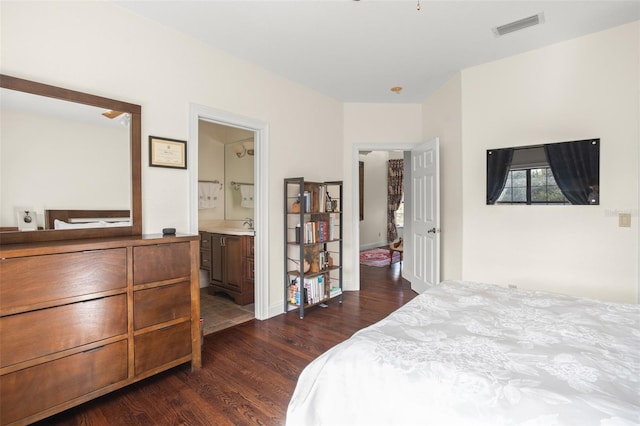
(45, 235)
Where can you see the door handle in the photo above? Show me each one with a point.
(433, 231)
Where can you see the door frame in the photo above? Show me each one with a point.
(261, 185)
(355, 201)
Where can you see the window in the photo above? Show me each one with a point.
(400, 213)
(522, 175)
(531, 186)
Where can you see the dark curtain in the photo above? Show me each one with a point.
(498, 163)
(394, 196)
(576, 169)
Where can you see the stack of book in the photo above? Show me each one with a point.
(312, 291)
(318, 231)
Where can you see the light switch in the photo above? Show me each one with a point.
(624, 220)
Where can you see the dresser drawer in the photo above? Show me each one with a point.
(161, 262)
(160, 304)
(29, 391)
(28, 281)
(29, 335)
(160, 347)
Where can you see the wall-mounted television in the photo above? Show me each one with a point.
(553, 173)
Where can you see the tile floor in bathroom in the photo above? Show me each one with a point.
(220, 312)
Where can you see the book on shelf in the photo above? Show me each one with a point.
(318, 231)
(312, 290)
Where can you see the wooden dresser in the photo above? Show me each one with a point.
(81, 318)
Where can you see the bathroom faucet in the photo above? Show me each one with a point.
(248, 221)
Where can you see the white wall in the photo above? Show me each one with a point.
(583, 88)
(373, 229)
(100, 48)
(442, 118)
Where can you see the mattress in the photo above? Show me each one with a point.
(465, 353)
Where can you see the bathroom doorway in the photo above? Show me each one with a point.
(225, 202)
(259, 129)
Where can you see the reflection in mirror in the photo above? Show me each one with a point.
(225, 167)
(63, 150)
(238, 168)
(57, 154)
(556, 173)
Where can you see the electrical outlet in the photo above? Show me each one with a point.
(624, 220)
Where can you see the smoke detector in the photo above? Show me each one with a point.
(519, 24)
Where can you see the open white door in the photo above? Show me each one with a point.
(425, 216)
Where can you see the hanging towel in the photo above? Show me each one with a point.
(208, 194)
(246, 192)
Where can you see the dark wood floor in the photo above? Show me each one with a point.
(249, 371)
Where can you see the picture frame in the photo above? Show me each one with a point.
(169, 153)
(27, 219)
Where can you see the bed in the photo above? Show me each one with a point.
(73, 219)
(465, 353)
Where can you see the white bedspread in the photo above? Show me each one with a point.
(476, 354)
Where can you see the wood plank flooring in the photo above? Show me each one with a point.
(249, 371)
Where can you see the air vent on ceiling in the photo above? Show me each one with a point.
(519, 25)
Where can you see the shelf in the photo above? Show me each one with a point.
(305, 213)
(293, 243)
(294, 306)
(296, 273)
(313, 236)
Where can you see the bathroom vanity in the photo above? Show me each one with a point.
(227, 254)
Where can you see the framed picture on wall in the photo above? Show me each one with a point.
(164, 152)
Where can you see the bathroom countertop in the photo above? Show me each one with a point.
(222, 228)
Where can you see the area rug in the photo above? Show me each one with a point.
(378, 257)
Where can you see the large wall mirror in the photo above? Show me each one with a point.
(70, 164)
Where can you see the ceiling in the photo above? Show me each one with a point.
(355, 51)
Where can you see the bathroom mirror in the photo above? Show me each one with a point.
(225, 166)
(63, 149)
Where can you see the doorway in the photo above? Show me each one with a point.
(374, 172)
(225, 183)
(421, 264)
(232, 124)
(361, 152)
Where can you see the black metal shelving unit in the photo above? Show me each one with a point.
(313, 234)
